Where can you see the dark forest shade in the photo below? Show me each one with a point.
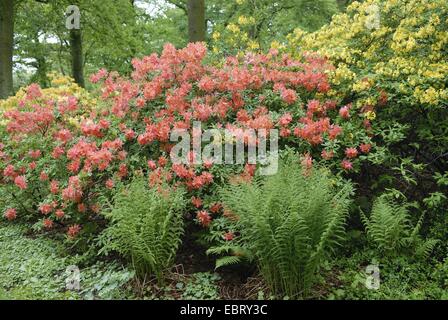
(6, 46)
(196, 20)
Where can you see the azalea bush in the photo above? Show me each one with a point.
(391, 61)
(58, 158)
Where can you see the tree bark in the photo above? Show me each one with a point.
(77, 57)
(6, 47)
(196, 20)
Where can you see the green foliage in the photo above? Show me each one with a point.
(202, 286)
(146, 225)
(390, 230)
(289, 222)
(400, 279)
(36, 268)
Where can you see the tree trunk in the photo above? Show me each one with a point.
(77, 57)
(196, 20)
(6, 47)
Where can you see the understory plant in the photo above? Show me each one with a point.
(389, 229)
(146, 225)
(288, 223)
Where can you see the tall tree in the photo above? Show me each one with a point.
(77, 56)
(196, 20)
(6, 46)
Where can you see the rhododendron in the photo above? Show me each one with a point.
(63, 135)
(59, 213)
(54, 187)
(216, 207)
(285, 119)
(110, 184)
(43, 176)
(82, 207)
(152, 165)
(47, 223)
(197, 202)
(351, 152)
(84, 152)
(32, 165)
(365, 147)
(35, 154)
(20, 181)
(73, 231)
(327, 155)
(204, 218)
(10, 214)
(9, 171)
(46, 208)
(346, 165)
(344, 112)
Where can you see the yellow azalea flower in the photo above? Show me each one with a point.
(370, 115)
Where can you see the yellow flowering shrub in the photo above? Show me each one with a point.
(391, 62)
(399, 46)
(61, 86)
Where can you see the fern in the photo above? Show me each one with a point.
(390, 230)
(288, 222)
(227, 261)
(146, 226)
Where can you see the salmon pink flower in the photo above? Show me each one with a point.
(48, 223)
(346, 165)
(216, 207)
(46, 208)
(197, 202)
(35, 154)
(110, 184)
(73, 231)
(152, 165)
(365, 147)
(82, 207)
(351, 153)
(289, 96)
(327, 155)
(344, 112)
(43, 176)
(54, 187)
(285, 119)
(20, 181)
(10, 214)
(9, 171)
(59, 214)
(204, 218)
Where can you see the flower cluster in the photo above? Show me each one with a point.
(59, 168)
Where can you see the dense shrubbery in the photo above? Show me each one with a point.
(391, 61)
(58, 159)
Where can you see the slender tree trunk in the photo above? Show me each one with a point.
(77, 57)
(196, 20)
(6, 47)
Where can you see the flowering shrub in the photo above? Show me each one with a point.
(55, 169)
(391, 61)
(61, 86)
